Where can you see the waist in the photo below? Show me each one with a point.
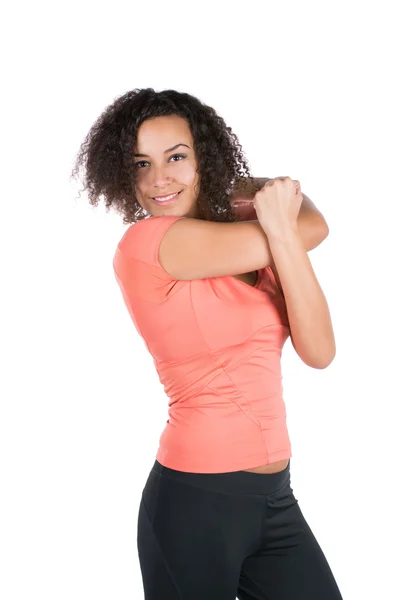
(240, 482)
(226, 438)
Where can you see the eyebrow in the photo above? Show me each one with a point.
(169, 149)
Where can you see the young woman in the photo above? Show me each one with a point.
(214, 272)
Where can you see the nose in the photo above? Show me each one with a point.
(161, 176)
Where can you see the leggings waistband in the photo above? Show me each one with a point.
(243, 482)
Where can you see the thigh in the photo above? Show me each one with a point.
(192, 541)
(290, 564)
(158, 581)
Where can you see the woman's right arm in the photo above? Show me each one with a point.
(198, 249)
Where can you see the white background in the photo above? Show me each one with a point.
(310, 88)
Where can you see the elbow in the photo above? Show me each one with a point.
(322, 362)
(319, 354)
(324, 232)
(324, 225)
(321, 365)
(318, 360)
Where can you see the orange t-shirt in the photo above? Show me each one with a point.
(216, 345)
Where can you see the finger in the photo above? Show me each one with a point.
(285, 178)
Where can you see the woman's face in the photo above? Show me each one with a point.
(165, 165)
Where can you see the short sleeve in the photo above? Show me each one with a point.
(142, 240)
(136, 265)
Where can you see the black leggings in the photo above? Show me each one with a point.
(206, 536)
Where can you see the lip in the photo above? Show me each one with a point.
(166, 202)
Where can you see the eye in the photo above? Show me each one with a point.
(177, 156)
(140, 162)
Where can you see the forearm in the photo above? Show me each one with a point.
(307, 206)
(311, 225)
(309, 318)
(313, 228)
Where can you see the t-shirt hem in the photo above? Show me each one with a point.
(197, 466)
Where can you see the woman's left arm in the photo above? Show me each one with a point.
(310, 324)
(309, 317)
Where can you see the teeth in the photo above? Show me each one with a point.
(165, 198)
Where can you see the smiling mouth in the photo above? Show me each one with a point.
(166, 198)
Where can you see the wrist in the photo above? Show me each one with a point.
(285, 233)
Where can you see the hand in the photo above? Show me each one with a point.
(277, 205)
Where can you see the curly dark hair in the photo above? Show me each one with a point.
(106, 153)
